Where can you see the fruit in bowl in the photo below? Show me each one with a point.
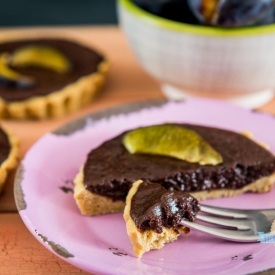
(203, 58)
(222, 13)
(233, 13)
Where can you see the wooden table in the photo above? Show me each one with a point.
(20, 252)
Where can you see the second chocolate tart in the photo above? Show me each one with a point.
(53, 93)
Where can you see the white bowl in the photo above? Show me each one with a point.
(189, 60)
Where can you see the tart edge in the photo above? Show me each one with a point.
(12, 160)
(261, 185)
(92, 204)
(149, 239)
(70, 98)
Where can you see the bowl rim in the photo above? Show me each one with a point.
(161, 22)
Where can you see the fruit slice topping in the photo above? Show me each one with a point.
(173, 141)
(42, 57)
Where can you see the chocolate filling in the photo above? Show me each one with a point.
(84, 62)
(153, 207)
(4, 146)
(110, 170)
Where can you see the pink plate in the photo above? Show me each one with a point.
(43, 190)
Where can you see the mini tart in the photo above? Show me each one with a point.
(9, 154)
(153, 214)
(54, 95)
(109, 171)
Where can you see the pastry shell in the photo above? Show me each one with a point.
(58, 103)
(12, 159)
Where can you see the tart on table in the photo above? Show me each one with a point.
(44, 78)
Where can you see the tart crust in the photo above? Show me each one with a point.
(58, 103)
(149, 239)
(92, 204)
(12, 159)
(261, 185)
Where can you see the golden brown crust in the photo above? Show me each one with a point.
(91, 204)
(149, 239)
(12, 160)
(60, 102)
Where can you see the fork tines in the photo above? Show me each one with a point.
(233, 224)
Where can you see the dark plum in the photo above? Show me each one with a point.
(233, 13)
(221, 13)
(176, 10)
(269, 18)
(236, 13)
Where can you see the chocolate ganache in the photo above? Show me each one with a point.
(84, 62)
(4, 146)
(154, 207)
(110, 170)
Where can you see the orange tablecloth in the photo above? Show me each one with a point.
(20, 252)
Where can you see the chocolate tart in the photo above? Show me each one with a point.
(8, 154)
(103, 183)
(54, 94)
(153, 215)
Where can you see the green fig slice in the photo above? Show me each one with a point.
(9, 76)
(41, 56)
(173, 141)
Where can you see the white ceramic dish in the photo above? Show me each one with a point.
(189, 60)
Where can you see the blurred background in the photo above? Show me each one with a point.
(57, 12)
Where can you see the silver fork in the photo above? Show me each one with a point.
(238, 225)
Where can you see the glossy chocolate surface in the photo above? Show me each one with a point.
(154, 207)
(4, 146)
(84, 62)
(110, 170)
